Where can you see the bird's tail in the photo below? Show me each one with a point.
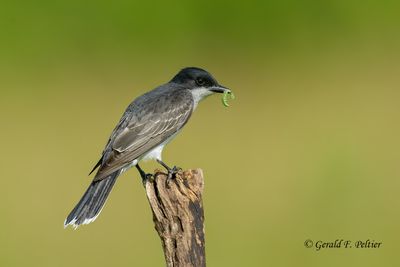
(90, 205)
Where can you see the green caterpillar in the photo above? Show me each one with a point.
(225, 98)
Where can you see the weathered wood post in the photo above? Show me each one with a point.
(179, 217)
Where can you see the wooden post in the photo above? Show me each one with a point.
(178, 216)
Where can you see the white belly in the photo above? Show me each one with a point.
(153, 154)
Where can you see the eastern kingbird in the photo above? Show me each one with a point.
(148, 124)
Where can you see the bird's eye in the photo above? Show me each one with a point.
(200, 81)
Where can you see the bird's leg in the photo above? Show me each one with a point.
(171, 171)
(143, 174)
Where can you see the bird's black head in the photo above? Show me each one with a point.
(195, 78)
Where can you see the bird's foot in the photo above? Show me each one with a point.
(145, 176)
(173, 171)
(148, 176)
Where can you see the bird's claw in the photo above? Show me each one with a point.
(147, 177)
(173, 171)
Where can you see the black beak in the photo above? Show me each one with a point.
(219, 89)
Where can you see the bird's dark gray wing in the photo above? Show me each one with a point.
(123, 122)
(150, 124)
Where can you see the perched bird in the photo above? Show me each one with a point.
(147, 125)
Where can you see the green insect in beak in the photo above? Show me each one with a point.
(225, 98)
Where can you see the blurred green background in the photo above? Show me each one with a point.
(309, 149)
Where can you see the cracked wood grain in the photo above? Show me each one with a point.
(178, 216)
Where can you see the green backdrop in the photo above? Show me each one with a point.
(309, 149)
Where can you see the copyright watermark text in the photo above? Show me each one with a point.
(342, 244)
